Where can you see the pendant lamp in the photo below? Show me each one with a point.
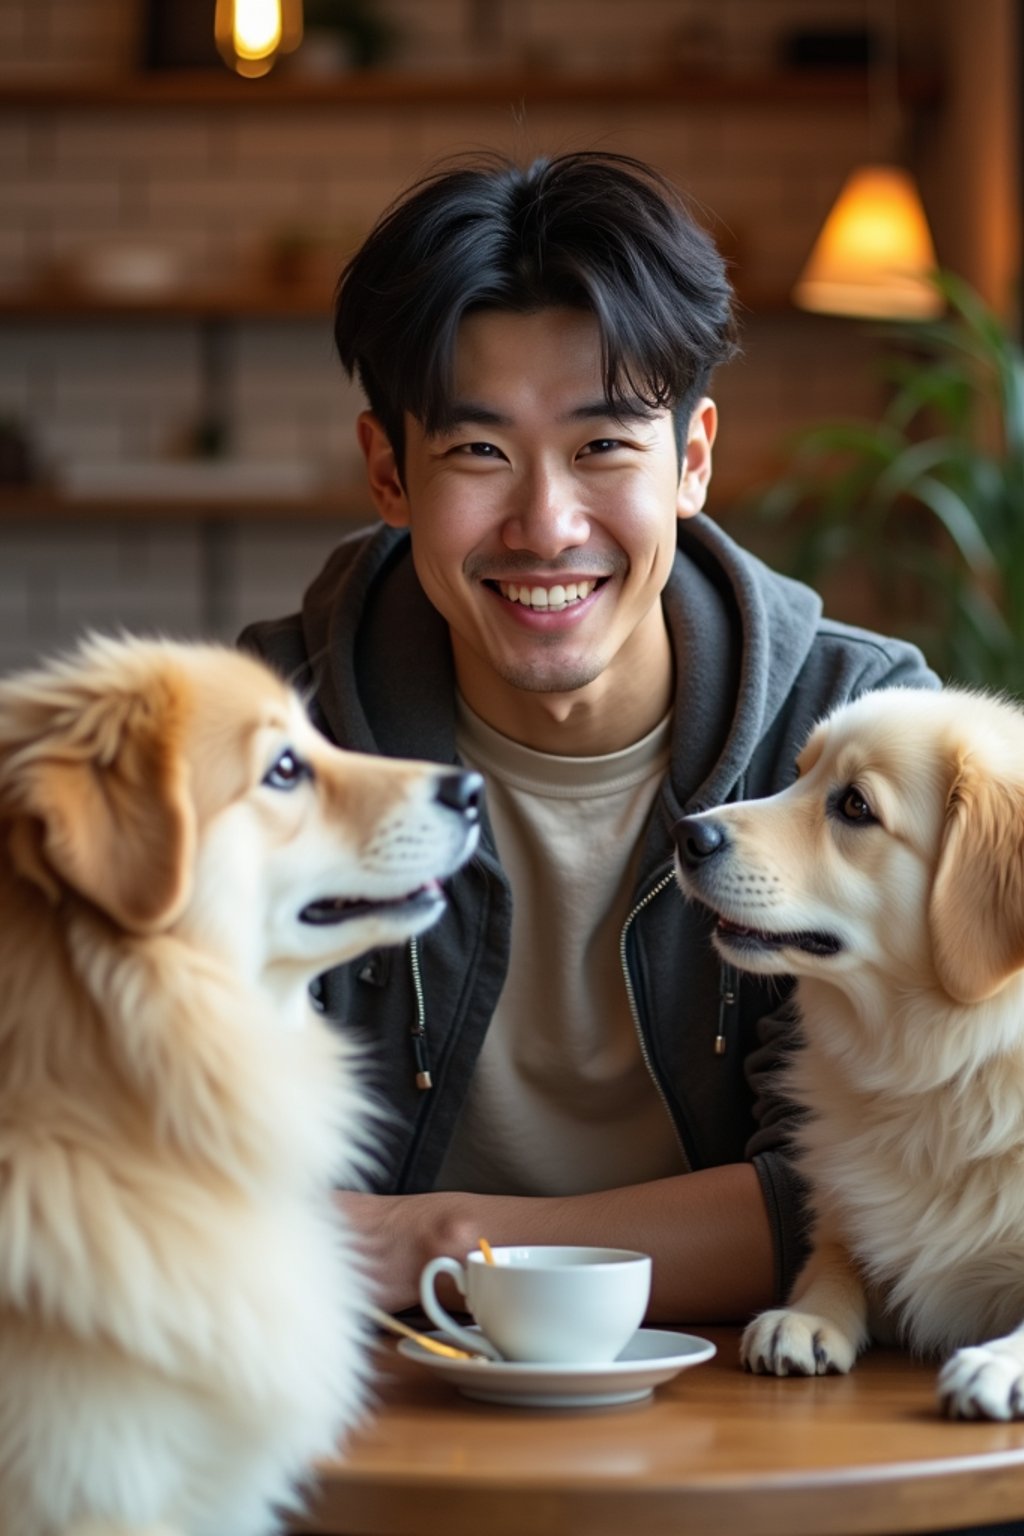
(874, 254)
(874, 257)
(252, 34)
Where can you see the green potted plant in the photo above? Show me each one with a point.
(367, 37)
(925, 507)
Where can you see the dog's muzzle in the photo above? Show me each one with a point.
(699, 841)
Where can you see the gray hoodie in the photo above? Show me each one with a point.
(756, 666)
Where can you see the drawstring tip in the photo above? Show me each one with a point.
(419, 1048)
(719, 1045)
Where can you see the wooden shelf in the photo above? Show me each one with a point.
(36, 504)
(392, 89)
(233, 301)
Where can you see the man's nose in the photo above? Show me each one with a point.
(546, 516)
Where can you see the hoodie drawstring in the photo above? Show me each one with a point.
(419, 1024)
(728, 978)
(728, 991)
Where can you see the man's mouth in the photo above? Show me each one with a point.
(330, 910)
(551, 599)
(811, 942)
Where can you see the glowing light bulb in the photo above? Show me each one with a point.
(251, 34)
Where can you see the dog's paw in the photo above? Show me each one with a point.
(985, 1381)
(783, 1343)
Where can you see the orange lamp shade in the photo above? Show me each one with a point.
(875, 252)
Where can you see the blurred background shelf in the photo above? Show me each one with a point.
(232, 301)
(387, 89)
(35, 504)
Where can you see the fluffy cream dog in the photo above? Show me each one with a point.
(890, 880)
(180, 1324)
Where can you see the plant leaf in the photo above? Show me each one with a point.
(959, 522)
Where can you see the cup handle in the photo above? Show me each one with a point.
(476, 1342)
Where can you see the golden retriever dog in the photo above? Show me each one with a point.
(180, 1310)
(889, 879)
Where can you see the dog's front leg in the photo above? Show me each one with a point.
(823, 1329)
(985, 1381)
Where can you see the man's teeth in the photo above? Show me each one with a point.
(547, 597)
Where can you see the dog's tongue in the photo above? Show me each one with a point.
(812, 943)
(725, 925)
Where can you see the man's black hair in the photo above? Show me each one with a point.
(597, 232)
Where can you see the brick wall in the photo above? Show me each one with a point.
(217, 189)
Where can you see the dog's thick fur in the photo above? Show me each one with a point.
(890, 880)
(180, 1311)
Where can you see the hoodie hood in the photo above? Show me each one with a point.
(741, 635)
(379, 652)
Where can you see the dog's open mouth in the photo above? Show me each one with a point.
(342, 909)
(737, 936)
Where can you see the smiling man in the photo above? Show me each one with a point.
(563, 1058)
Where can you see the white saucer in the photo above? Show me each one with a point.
(653, 1355)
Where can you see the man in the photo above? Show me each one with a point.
(563, 1059)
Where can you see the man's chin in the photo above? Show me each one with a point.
(565, 678)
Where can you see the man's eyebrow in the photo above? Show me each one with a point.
(604, 410)
(469, 413)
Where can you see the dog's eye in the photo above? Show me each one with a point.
(852, 806)
(287, 772)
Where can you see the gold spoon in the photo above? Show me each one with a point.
(432, 1346)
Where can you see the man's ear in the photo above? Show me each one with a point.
(696, 465)
(382, 471)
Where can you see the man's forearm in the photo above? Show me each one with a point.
(707, 1232)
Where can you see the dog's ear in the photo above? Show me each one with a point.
(111, 813)
(977, 898)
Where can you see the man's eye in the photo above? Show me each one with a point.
(480, 450)
(287, 772)
(604, 445)
(852, 806)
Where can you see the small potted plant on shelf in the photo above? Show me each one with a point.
(924, 509)
(352, 34)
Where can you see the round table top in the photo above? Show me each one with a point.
(713, 1451)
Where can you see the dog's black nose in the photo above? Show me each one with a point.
(698, 840)
(461, 792)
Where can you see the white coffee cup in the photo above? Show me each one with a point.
(567, 1306)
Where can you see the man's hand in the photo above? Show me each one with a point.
(400, 1233)
(707, 1232)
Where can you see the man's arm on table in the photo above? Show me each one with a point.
(708, 1233)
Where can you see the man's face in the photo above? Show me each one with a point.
(542, 525)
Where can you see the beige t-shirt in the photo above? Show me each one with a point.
(561, 1101)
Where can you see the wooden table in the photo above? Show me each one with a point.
(715, 1451)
